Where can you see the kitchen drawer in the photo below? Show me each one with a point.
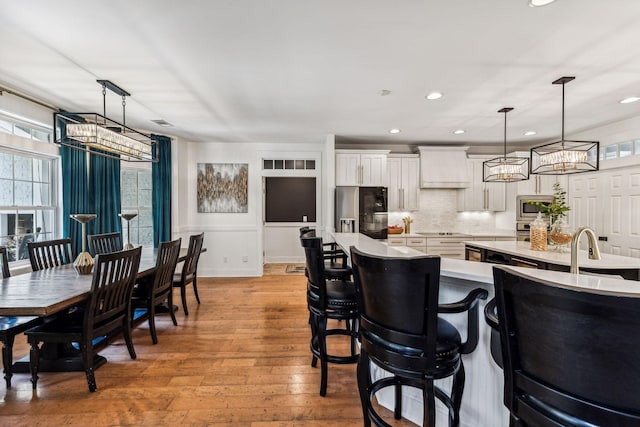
(396, 241)
(417, 243)
(447, 247)
(413, 242)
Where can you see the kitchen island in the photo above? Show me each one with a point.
(482, 401)
(519, 254)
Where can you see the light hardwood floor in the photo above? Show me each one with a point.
(241, 358)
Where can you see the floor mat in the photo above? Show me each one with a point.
(276, 269)
(295, 269)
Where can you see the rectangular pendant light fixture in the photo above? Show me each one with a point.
(565, 156)
(505, 169)
(100, 135)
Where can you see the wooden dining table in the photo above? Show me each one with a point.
(47, 292)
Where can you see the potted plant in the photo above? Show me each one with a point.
(558, 208)
(559, 232)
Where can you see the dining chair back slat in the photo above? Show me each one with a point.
(50, 253)
(104, 243)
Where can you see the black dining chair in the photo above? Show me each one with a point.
(570, 356)
(336, 264)
(402, 333)
(10, 326)
(328, 299)
(189, 272)
(108, 310)
(104, 243)
(158, 288)
(50, 253)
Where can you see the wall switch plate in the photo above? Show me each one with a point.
(304, 218)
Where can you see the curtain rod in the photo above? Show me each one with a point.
(28, 98)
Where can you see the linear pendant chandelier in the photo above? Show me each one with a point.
(565, 156)
(100, 135)
(505, 169)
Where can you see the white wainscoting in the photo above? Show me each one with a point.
(282, 242)
(233, 251)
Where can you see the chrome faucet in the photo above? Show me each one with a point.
(594, 251)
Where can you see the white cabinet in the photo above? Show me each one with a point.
(418, 243)
(446, 247)
(481, 196)
(402, 180)
(361, 168)
(537, 184)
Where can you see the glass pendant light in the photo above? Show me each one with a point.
(565, 156)
(505, 169)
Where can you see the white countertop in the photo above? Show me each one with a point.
(459, 269)
(607, 261)
(482, 273)
(583, 282)
(373, 247)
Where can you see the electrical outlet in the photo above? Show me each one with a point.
(224, 260)
(245, 259)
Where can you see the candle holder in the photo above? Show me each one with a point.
(128, 217)
(84, 262)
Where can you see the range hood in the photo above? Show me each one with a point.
(443, 167)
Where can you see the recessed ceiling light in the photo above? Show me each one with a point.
(434, 95)
(394, 130)
(538, 3)
(630, 99)
(529, 133)
(459, 131)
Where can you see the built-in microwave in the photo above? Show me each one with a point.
(526, 211)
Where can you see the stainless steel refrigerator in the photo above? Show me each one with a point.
(362, 210)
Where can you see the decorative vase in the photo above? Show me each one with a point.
(84, 261)
(128, 217)
(560, 235)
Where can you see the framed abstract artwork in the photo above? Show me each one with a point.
(223, 187)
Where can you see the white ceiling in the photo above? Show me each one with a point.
(297, 70)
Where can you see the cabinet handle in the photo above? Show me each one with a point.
(361, 174)
(401, 197)
(486, 199)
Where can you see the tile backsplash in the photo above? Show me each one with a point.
(438, 213)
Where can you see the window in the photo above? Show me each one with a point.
(27, 201)
(611, 152)
(271, 164)
(16, 126)
(626, 149)
(136, 188)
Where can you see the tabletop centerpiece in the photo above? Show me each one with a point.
(84, 261)
(128, 217)
(560, 234)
